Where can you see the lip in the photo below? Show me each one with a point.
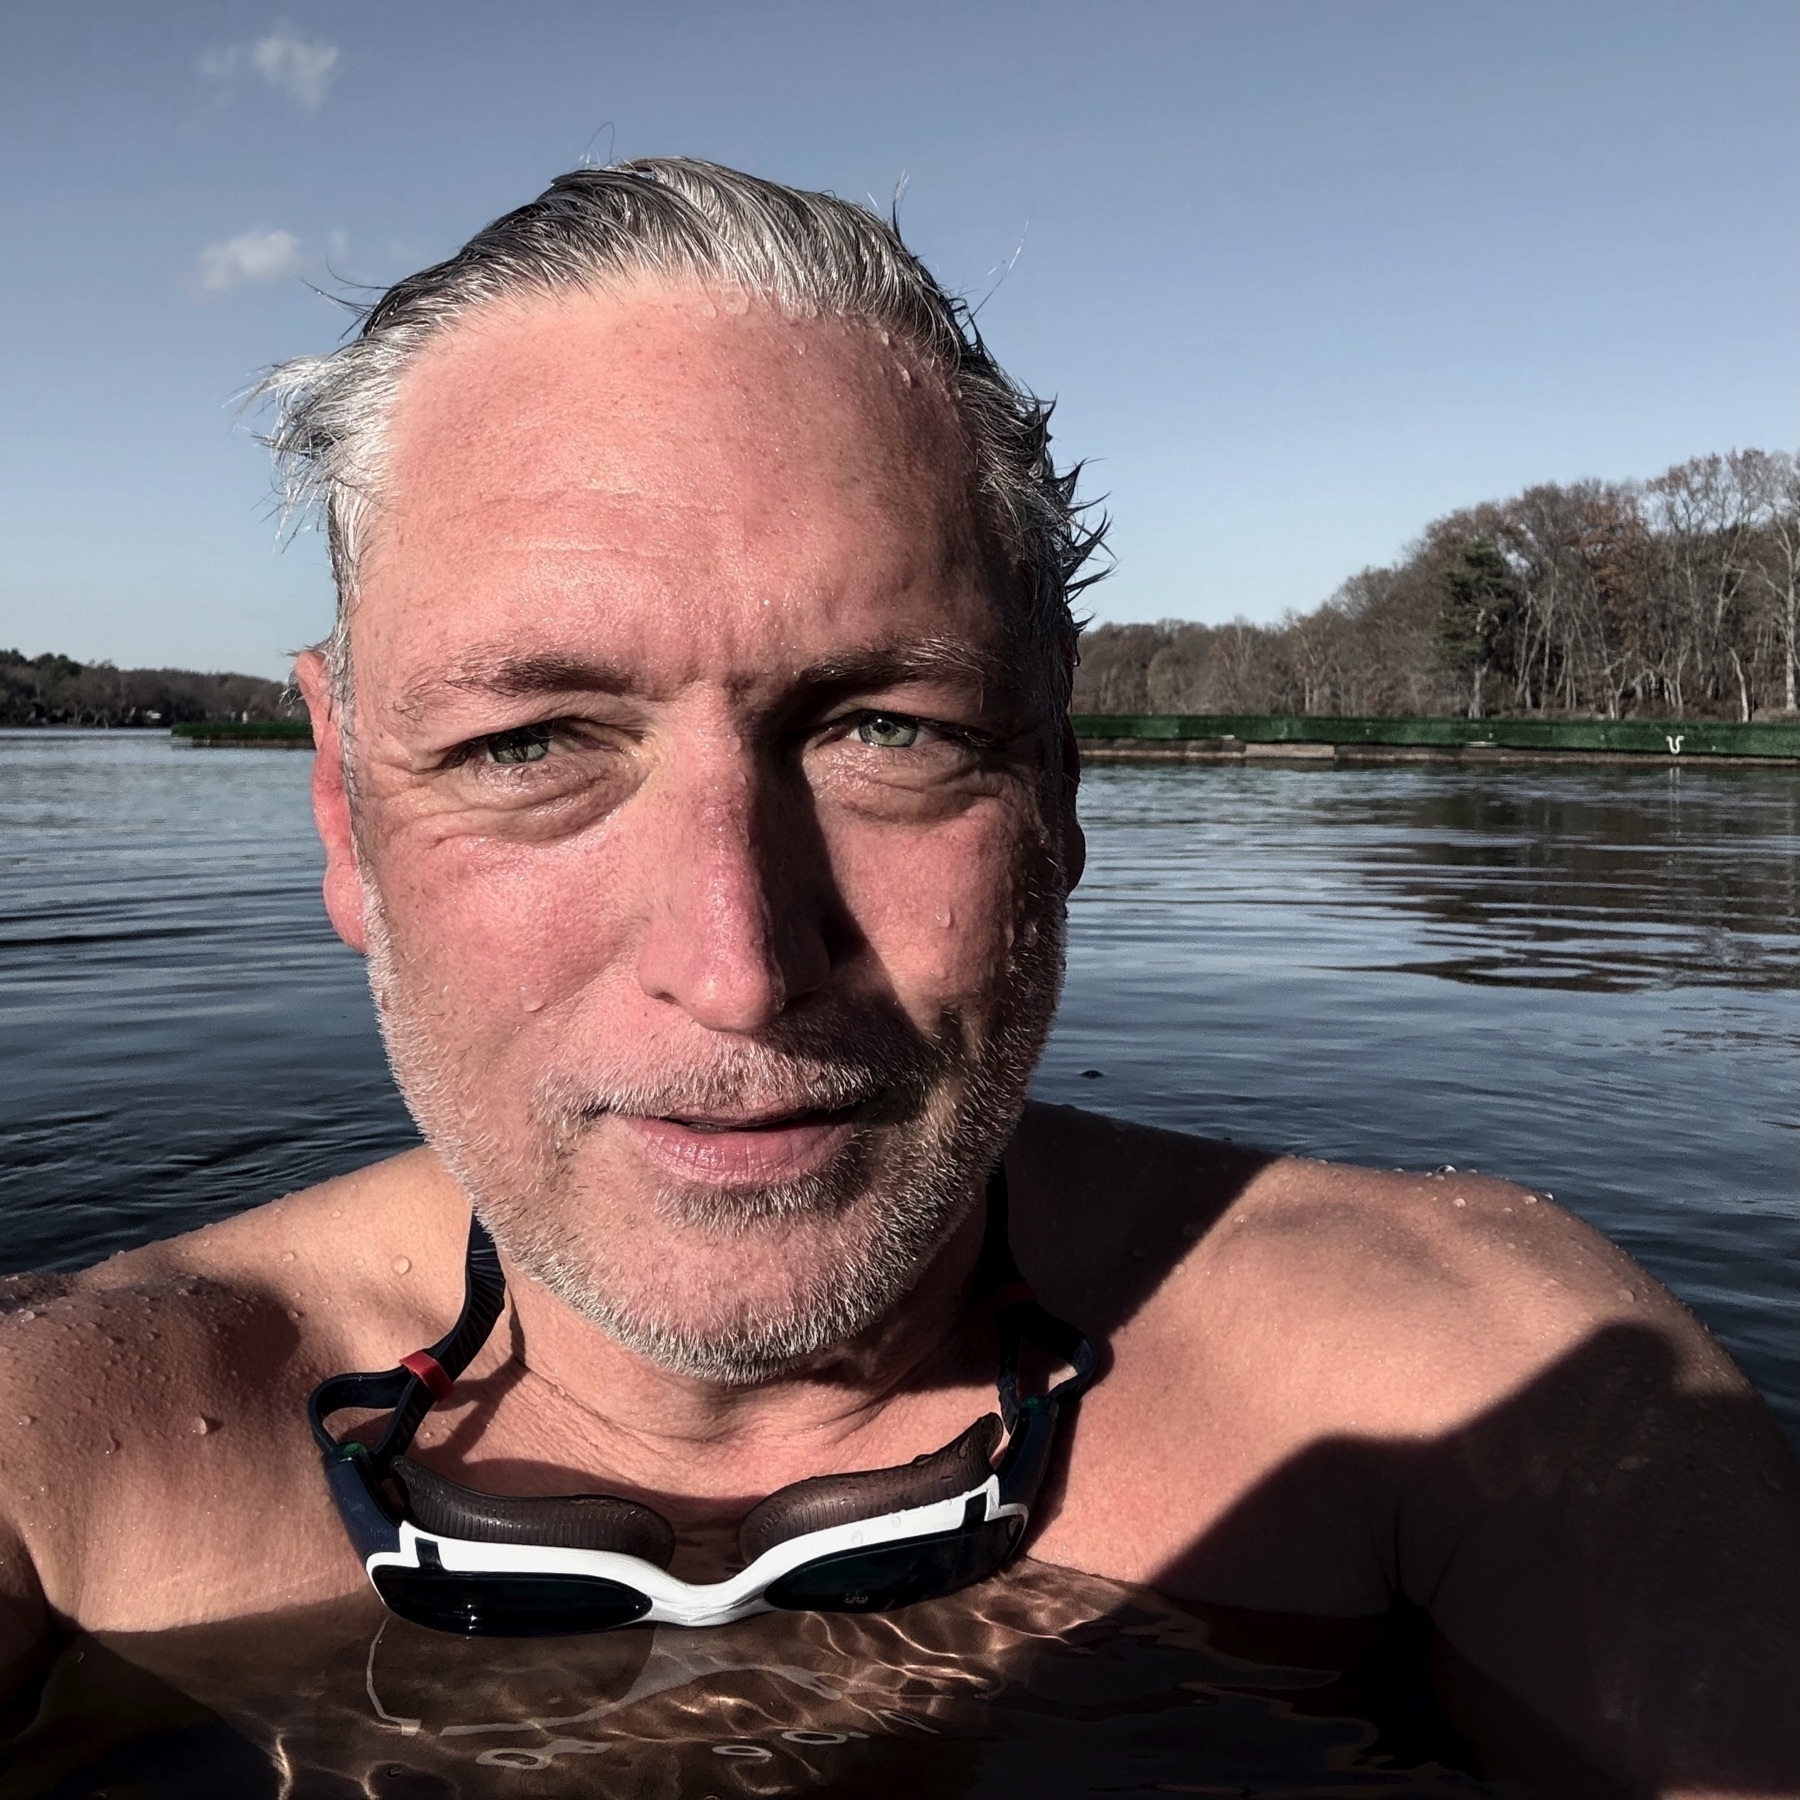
(733, 1152)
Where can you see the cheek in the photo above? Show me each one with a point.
(939, 909)
(501, 931)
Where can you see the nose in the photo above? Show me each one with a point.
(735, 931)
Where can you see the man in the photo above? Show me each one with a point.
(694, 772)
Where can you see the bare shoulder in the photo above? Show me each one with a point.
(169, 1383)
(1398, 1301)
(384, 1240)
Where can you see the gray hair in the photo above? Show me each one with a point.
(678, 219)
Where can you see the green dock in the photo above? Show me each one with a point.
(245, 734)
(1229, 737)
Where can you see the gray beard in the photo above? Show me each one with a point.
(946, 1105)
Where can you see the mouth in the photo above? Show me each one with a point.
(731, 1150)
(773, 1121)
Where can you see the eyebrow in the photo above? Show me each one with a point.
(922, 660)
(506, 675)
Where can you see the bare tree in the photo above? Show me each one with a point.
(1676, 597)
(1770, 484)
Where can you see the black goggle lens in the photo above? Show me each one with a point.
(475, 1605)
(890, 1575)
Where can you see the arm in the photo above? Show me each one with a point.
(1611, 1547)
(1452, 1393)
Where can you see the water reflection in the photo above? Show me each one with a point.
(1042, 1683)
(1598, 887)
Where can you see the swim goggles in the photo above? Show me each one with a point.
(502, 1565)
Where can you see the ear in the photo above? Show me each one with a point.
(331, 802)
(1074, 840)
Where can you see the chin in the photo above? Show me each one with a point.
(735, 1285)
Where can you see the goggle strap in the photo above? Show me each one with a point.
(426, 1376)
(484, 1297)
(432, 1372)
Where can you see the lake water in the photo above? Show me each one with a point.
(1580, 978)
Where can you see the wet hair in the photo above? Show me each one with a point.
(678, 220)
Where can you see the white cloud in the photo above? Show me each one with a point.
(250, 256)
(293, 65)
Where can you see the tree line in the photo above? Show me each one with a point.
(1672, 598)
(57, 690)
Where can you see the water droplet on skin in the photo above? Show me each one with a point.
(1628, 1296)
(287, 1256)
(337, 1212)
(1445, 1169)
(1459, 1201)
(26, 1314)
(292, 1314)
(905, 376)
(402, 1265)
(28, 1419)
(1531, 1199)
(201, 1426)
(531, 1000)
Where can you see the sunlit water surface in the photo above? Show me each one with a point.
(1581, 978)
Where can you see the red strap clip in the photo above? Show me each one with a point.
(430, 1371)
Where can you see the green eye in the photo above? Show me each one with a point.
(884, 732)
(529, 744)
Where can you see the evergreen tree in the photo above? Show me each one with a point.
(1480, 606)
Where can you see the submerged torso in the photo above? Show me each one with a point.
(1042, 1683)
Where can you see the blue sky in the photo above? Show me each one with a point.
(1303, 273)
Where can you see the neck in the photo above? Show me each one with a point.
(858, 1405)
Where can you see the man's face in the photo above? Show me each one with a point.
(706, 843)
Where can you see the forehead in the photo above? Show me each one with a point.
(675, 464)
